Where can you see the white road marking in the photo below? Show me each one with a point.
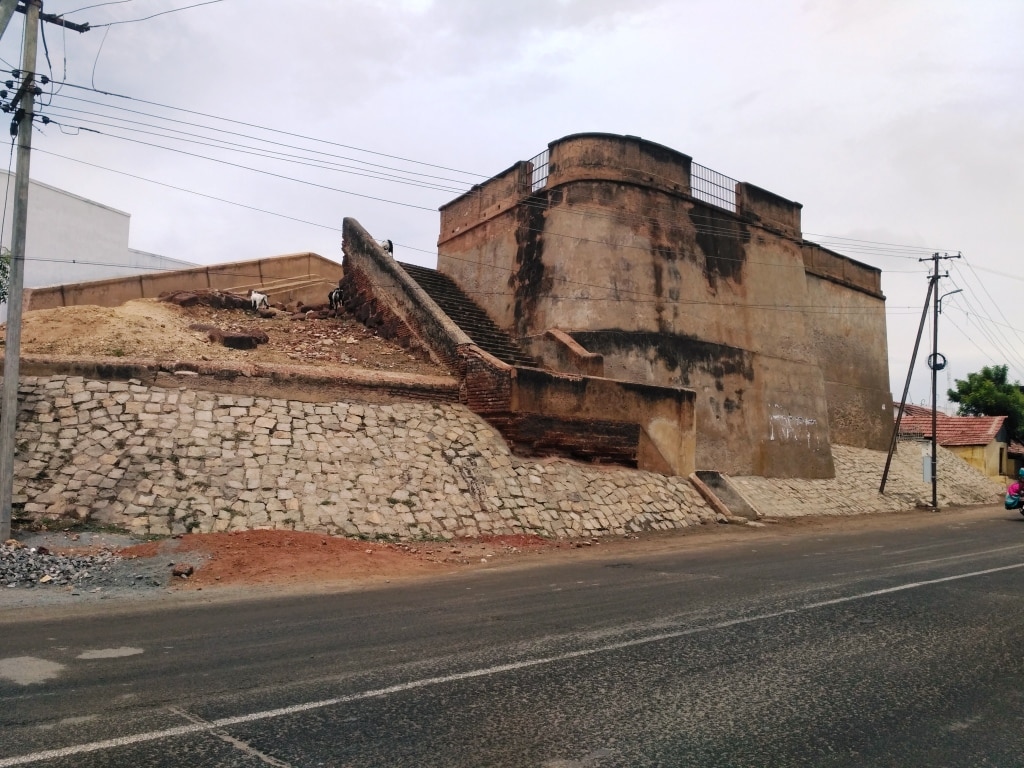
(294, 709)
(950, 558)
(238, 744)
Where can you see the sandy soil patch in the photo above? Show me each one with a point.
(156, 330)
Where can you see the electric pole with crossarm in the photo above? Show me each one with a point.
(22, 108)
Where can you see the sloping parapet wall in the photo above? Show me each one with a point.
(311, 275)
(649, 427)
(381, 295)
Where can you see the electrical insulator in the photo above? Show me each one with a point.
(5, 107)
(46, 120)
(9, 83)
(44, 79)
(3, 94)
(16, 72)
(37, 91)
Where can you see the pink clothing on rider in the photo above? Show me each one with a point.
(1014, 489)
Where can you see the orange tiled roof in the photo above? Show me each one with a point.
(950, 430)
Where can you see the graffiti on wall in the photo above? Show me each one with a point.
(786, 427)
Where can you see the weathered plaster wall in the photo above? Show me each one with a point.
(984, 458)
(592, 418)
(669, 290)
(846, 315)
(303, 277)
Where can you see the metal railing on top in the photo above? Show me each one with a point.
(539, 176)
(705, 184)
(713, 187)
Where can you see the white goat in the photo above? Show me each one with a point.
(259, 300)
(388, 247)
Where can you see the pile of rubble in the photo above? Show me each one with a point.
(22, 566)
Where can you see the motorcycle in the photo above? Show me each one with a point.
(1013, 493)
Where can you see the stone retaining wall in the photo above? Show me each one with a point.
(160, 460)
(163, 460)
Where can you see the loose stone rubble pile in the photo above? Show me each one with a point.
(22, 566)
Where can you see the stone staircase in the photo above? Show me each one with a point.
(469, 316)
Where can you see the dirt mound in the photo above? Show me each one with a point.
(157, 330)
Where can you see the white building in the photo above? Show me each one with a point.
(71, 239)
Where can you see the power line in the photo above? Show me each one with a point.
(152, 16)
(276, 175)
(193, 192)
(272, 130)
(245, 136)
(873, 248)
(97, 5)
(654, 297)
(547, 233)
(240, 149)
(700, 229)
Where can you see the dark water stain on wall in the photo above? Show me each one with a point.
(723, 241)
(528, 282)
(685, 355)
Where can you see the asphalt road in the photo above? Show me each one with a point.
(899, 644)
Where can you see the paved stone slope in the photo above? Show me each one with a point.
(161, 461)
(854, 489)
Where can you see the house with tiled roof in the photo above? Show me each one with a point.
(981, 441)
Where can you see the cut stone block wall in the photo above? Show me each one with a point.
(159, 460)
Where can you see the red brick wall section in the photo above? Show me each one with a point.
(601, 442)
(486, 388)
(358, 298)
(379, 292)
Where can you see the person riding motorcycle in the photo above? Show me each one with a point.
(1013, 492)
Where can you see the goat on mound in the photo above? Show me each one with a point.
(334, 297)
(388, 246)
(259, 300)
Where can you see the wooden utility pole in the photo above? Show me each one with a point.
(23, 109)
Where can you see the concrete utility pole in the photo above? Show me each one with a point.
(22, 107)
(906, 388)
(936, 362)
(12, 351)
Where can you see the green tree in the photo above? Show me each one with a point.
(988, 393)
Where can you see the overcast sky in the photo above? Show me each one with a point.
(898, 124)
